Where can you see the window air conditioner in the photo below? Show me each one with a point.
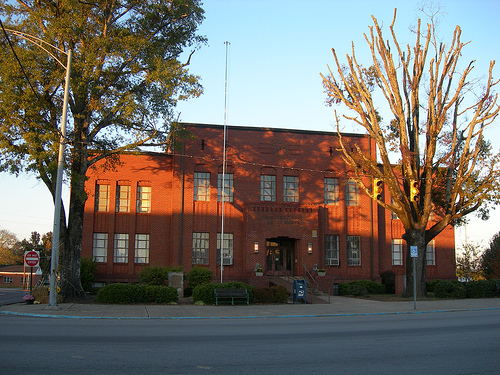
(333, 262)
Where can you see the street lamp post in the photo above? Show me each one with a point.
(54, 259)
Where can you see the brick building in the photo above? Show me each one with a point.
(290, 209)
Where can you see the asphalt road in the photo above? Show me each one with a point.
(8, 296)
(465, 342)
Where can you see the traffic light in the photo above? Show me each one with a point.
(414, 192)
(377, 189)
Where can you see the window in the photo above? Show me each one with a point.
(200, 248)
(331, 250)
(353, 251)
(102, 198)
(100, 247)
(397, 252)
(290, 189)
(201, 186)
(121, 248)
(228, 187)
(331, 191)
(430, 253)
(268, 188)
(122, 198)
(352, 193)
(141, 248)
(143, 199)
(7, 279)
(228, 249)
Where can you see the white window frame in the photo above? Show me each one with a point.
(228, 188)
(101, 198)
(352, 193)
(290, 189)
(8, 279)
(120, 253)
(268, 188)
(141, 249)
(201, 244)
(122, 198)
(228, 249)
(332, 250)
(353, 251)
(143, 199)
(100, 247)
(397, 251)
(430, 253)
(202, 186)
(331, 191)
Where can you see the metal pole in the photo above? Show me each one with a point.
(57, 203)
(414, 286)
(223, 187)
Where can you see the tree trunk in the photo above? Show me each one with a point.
(71, 286)
(415, 237)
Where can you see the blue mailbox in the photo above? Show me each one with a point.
(299, 290)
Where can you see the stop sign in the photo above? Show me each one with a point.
(31, 258)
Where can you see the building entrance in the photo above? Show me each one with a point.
(280, 256)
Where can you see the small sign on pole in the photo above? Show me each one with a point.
(414, 251)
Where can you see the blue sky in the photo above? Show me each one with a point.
(278, 50)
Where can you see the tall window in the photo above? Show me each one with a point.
(290, 189)
(397, 252)
(228, 249)
(201, 186)
(200, 248)
(122, 198)
(268, 188)
(331, 191)
(353, 251)
(430, 254)
(228, 187)
(143, 199)
(352, 193)
(141, 248)
(102, 198)
(121, 248)
(100, 247)
(331, 250)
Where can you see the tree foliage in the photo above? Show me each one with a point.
(128, 72)
(10, 252)
(437, 117)
(490, 261)
(469, 263)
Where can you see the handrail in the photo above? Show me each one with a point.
(314, 282)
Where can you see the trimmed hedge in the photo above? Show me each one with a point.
(205, 292)
(482, 288)
(156, 275)
(272, 294)
(136, 293)
(198, 276)
(449, 289)
(361, 288)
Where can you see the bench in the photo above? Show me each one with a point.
(231, 295)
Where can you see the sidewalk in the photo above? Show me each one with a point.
(339, 306)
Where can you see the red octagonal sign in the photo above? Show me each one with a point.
(31, 258)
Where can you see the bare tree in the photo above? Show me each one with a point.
(438, 117)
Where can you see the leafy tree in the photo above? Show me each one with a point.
(437, 120)
(42, 244)
(469, 263)
(10, 252)
(490, 262)
(128, 73)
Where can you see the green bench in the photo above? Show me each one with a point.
(231, 295)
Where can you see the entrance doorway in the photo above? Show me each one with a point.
(280, 256)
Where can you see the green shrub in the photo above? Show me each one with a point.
(449, 289)
(88, 266)
(361, 288)
(481, 288)
(136, 293)
(429, 285)
(273, 294)
(156, 275)
(205, 292)
(198, 276)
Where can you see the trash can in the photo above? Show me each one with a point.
(299, 291)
